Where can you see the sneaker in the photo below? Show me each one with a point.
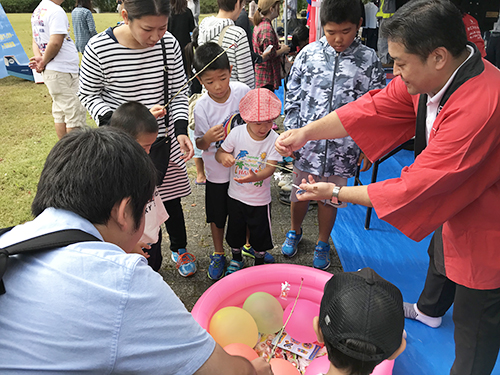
(285, 180)
(289, 247)
(250, 252)
(321, 256)
(287, 187)
(285, 199)
(216, 267)
(186, 263)
(175, 256)
(234, 266)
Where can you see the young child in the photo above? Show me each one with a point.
(361, 322)
(215, 114)
(326, 74)
(249, 151)
(136, 120)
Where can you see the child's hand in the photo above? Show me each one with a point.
(215, 133)
(158, 111)
(227, 160)
(251, 177)
(138, 249)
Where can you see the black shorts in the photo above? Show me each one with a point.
(258, 221)
(216, 203)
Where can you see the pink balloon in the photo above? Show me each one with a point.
(319, 365)
(241, 350)
(300, 325)
(281, 366)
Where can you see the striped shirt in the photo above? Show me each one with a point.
(112, 74)
(239, 55)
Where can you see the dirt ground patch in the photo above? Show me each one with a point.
(200, 242)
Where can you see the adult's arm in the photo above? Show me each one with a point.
(243, 60)
(92, 84)
(328, 127)
(222, 363)
(39, 62)
(91, 23)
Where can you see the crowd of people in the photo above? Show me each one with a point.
(116, 313)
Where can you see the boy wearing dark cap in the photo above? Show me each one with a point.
(249, 152)
(361, 322)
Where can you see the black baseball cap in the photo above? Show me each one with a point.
(362, 306)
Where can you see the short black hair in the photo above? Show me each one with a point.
(424, 25)
(206, 53)
(90, 170)
(352, 366)
(340, 11)
(227, 5)
(134, 118)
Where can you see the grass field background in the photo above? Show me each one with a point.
(27, 129)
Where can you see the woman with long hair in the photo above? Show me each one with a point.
(83, 23)
(181, 22)
(268, 72)
(127, 63)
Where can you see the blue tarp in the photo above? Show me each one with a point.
(403, 262)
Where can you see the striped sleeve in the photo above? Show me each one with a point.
(240, 56)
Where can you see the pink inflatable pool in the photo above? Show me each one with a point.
(234, 289)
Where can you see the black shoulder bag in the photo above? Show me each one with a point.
(44, 242)
(160, 149)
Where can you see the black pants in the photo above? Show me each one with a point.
(493, 50)
(476, 316)
(155, 257)
(176, 227)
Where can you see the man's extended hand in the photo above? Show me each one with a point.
(290, 141)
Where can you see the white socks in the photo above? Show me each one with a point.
(412, 312)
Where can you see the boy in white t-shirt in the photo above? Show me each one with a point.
(216, 112)
(249, 151)
(137, 121)
(56, 56)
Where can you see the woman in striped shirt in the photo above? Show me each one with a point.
(125, 63)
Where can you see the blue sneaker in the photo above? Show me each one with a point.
(234, 266)
(216, 267)
(321, 256)
(186, 262)
(250, 252)
(289, 247)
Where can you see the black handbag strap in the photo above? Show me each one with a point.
(165, 82)
(44, 242)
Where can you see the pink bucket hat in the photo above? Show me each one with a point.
(260, 105)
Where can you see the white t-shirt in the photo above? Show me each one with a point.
(156, 215)
(250, 154)
(208, 113)
(49, 19)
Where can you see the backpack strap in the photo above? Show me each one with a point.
(44, 242)
(221, 35)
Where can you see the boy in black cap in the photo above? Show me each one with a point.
(361, 322)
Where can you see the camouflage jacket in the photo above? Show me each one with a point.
(322, 80)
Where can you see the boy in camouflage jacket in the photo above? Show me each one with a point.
(326, 74)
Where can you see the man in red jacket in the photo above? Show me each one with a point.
(452, 95)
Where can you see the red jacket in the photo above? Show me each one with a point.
(455, 181)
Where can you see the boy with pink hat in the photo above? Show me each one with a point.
(249, 151)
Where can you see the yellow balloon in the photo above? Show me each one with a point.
(233, 324)
(266, 311)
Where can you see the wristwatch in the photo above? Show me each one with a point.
(335, 195)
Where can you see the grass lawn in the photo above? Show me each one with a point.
(27, 129)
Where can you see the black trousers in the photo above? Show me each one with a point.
(176, 227)
(476, 316)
